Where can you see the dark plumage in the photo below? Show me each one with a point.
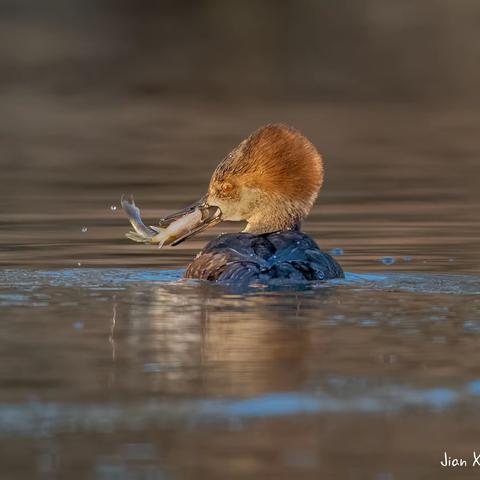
(246, 258)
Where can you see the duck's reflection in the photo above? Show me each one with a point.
(203, 338)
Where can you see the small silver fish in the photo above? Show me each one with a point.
(160, 236)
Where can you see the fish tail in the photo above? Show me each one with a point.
(133, 213)
(136, 237)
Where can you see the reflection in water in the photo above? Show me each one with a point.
(164, 367)
(111, 339)
(39, 419)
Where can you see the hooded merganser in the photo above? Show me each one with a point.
(271, 181)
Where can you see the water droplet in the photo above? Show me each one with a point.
(113, 208)
(388, 260)
(407, 258)
(79, 264)
(84, 229)
(451, 259)
(336, 251)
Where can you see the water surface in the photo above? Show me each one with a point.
(113, 367)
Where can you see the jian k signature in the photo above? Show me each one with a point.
(449, 461)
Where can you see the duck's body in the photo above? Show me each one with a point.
(270, 181)
(245, 258)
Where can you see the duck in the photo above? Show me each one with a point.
(270, 181)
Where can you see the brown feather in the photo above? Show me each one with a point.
(276, 159)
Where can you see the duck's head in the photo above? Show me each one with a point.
(269, 181)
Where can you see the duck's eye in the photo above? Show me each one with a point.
(227, 187)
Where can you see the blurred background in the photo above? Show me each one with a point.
(225, 51)
(100, 98)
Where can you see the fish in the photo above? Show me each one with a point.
(177, 229)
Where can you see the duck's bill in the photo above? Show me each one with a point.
(197, 218)
(169, 219)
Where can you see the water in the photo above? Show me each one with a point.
(131, 369)
(113, 367)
